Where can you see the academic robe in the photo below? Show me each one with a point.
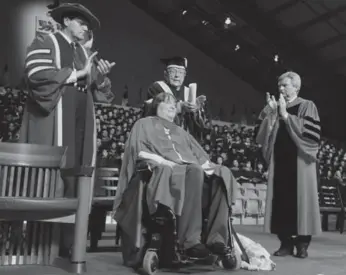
(58, 113)
(166, 186)
(290, 149)
(194, 123)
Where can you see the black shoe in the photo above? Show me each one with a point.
(198, 251)
(284, 251)
(302, 251)
(218, 248)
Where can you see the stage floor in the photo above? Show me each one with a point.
(327, 255)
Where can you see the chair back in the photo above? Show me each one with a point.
(28, 170)
(29, 176)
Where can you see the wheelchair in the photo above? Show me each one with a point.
(161, 246)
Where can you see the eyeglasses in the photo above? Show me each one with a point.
(178, 72)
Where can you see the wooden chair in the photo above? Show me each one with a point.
(31, 192)
(103, 198)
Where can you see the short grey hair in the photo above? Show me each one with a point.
(295, 79)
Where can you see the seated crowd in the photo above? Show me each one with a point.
(231, 144)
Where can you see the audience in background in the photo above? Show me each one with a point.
(232, 145)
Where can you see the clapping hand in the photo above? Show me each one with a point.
(200, 101)
(104, 66)
(88, 64)
(271, 101)
(283, 106)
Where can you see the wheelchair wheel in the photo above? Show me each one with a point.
(150, 262)
(232, 262)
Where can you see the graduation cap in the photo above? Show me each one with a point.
(175, 62)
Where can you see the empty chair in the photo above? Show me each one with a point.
(104, 193)
(262, 207)
(261, 190)
(238, 207)
(251, 194)
(252, 207)
(31, 191)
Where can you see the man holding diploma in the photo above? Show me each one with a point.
(190, 112)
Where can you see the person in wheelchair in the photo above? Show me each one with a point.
(179, 172)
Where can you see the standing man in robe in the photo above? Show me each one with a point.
(60, 108)
(289, 133)
(190, 116)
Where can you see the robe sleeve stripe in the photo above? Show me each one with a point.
(39, 69)
(313, 121)
(311, 128)
(311, 136)
(39, 61)
(39, 51)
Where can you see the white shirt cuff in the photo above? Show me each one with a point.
(72, 78)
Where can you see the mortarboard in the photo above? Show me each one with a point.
(178, 62)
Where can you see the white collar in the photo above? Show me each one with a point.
(68, 39)
(292, 99)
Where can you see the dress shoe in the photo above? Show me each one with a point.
(302, 251)
(198, 251)
(218, 248)
(284, 251)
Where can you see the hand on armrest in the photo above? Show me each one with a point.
(158, 159)
(208, 167)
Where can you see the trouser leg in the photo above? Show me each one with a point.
(218, 213)
(190, 221)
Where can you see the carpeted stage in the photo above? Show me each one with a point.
(327, 255)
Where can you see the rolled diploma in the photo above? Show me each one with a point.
(192, 93)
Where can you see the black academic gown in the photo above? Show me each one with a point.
(290, 149)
